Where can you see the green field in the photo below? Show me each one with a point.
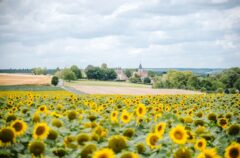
(106, 83)
(29, 88)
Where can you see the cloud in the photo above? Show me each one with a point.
(160, 33)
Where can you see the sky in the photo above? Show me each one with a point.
(121, 33)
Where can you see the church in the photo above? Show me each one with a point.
(141, 72)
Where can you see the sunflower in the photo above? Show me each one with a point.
(152, 139)
(117, 143)
(114, 116)
(141, 110)
(200, 144)
(43, 108)
(232, 151)
(209, 153)
(178, 134)
(129, 155)
(19, 126)
(36, 148)
(7, 136)
(104, 153)
(125, 117)
(182, 153)
(41, 130)
(160, 128)
(223, 122)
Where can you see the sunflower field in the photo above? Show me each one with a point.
(61, 124)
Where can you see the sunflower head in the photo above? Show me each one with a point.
(104, 153)
(212, 117)
(199, 123)
(19, 126)
(92, 117)
(36, 148)
(232, 151)
(60, 152)
(141, 110)
(182, 153)
(140, 148)
(129, 132)
(125, 117)
(11, 117)
(88, 150)
(82, 138)
(7, 136)
(117, 143)
(199, 114)
(234, 129)
(40, 131)
(57, 123)
(129, 155)
(200, 144)
(72, 115)
(160, 128)
(152, 139)
(208, 153)
(178, 134)
(52, 134)
(223, 122)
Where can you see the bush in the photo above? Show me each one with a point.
(135, 80)
(146, 80)
(55, 80)
(203, 89)
(219, 90)
(233, 91)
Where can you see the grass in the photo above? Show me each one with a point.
(29, 88)
(106, 83)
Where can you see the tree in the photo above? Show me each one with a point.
(88, 68)
(77, 71)
(101, 74)
(55, 80)
(128, 73)
(68, 74)
(104, 66)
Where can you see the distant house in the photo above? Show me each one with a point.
(142, 73)
(121, 75)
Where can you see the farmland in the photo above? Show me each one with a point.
(24, 79)
(61, 124)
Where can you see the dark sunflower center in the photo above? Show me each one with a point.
(18, 126)
(103, 156)
(40, 130)
(6, 135)
(42, 108)
(159, 128)
(233, 153)
(178, 135)
(200, 144)
(153, 140)
(223, 122)
(125, 117)
(140, 110)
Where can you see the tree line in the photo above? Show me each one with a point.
(227, 81)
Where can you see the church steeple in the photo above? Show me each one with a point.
(140, 66)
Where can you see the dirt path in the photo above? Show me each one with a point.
(129, 90)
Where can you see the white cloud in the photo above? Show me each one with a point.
(160, 33)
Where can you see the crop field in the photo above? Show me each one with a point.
(24, 79)
(60, 124)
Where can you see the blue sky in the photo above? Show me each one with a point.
(121, 33)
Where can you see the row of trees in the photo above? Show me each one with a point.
(228, 81)
(100, 73)
(69, 74)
